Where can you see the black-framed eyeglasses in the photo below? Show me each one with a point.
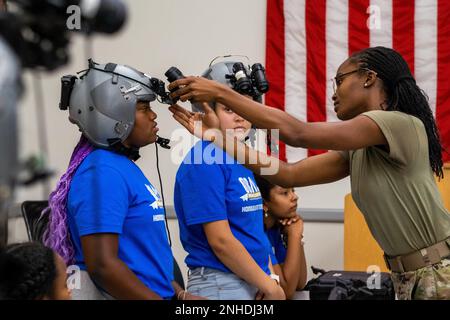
(341, 76)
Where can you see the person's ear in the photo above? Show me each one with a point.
(371, 78)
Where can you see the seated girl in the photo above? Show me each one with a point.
(284, 228)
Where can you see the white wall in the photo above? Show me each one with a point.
(160, 34)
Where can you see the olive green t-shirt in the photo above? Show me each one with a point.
(396, 190)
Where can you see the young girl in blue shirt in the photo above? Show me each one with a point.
(219, 210)
(284, 229)
(105, 216)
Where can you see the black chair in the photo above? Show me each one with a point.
(36, 225)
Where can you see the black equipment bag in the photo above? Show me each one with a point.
(350, 285)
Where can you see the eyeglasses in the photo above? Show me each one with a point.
(336, 81)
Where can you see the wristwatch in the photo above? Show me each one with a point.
(275, 277)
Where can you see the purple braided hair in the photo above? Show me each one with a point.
(57, 235)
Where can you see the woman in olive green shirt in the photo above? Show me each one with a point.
(387, 142)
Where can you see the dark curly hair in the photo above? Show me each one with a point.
(27, 271)
(403, 94)
(264, 186)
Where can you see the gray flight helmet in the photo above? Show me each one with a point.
(218, 72)
(103, 102)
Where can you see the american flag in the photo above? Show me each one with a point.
(307, 40)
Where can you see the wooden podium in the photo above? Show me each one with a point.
(360, 248)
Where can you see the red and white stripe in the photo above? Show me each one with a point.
(307, 40)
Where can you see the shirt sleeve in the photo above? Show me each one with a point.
(202, 194)
(400, 132)
(99, 201)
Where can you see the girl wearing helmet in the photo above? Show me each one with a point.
(105, 216)
(219, 210)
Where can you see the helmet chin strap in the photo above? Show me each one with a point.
(133, 152)
(130, 152)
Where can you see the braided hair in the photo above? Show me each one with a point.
(57, 235)
(403, 94)
(27, 271)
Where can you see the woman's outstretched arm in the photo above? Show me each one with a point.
(324, 168)
(353, 134)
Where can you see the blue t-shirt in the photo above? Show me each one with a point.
(215, 187)
(278, 250)
(110, 194)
